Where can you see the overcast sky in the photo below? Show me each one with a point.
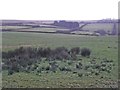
(58, 9)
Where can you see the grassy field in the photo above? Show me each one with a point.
(13, 27)
(100, 26)
(29, 28)
(102, 47)
(40, 29)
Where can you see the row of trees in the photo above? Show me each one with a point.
(21, 58)
(51, 54)
(66, 24)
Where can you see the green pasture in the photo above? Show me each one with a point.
(101, 47)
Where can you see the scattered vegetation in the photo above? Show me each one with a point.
(23, 58)
(56, 70)
(28, 59)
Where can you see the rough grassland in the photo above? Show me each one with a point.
(102, 47)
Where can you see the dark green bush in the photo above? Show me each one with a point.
(85, 52)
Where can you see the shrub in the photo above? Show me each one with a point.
(46, 52)
(60, 49)
(64, 55)
(61, 53)
(10, 54)
(85, 52)
(75, 50)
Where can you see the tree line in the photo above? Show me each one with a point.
(66, 24)
(22, 57)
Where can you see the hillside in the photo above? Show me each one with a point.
(96, 27)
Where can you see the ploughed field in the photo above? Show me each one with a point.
(100, 69)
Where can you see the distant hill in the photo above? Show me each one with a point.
(105, 26)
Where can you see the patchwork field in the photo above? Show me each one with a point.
(99, 26)
(13, 27)
(103, 49)
(27, 29)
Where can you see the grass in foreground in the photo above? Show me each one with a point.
(102, 47)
